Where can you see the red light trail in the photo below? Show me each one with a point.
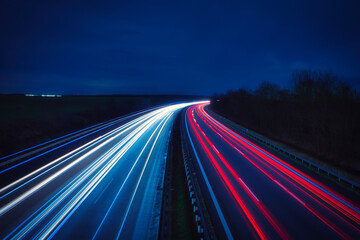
(314, 196)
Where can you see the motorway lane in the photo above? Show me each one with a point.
(109, 187)
(254, 194)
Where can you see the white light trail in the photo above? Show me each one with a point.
(67, 198)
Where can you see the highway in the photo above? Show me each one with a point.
(254, 193)
(104, 182)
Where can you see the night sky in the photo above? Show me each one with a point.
(172, 47)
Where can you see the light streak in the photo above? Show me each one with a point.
(63, 170)
(111, 122)
(227, 183)
(90, 185)
(77, 151)
(213, 197)
(139, 179)
(123, 184)
(287, 173)
(67, 198)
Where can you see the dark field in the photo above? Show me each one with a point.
(27, 121)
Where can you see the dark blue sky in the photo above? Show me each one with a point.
(172, 47)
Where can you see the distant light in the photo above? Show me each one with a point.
(50, 95)
(43, 95)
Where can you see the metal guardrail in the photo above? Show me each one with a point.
(292, 156)
(197, 213)
(194, 195)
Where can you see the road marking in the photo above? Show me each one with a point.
(218, 209)
(215, 149)
(249, 189)
(290, 192)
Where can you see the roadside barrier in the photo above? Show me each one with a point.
(321, 170)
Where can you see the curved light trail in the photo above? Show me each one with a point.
(261, 195)
(96, 185)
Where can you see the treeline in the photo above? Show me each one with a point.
(319, 114)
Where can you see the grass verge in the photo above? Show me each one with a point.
(177, 221)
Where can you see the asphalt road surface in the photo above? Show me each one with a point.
(104, 182)
(253, 193)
